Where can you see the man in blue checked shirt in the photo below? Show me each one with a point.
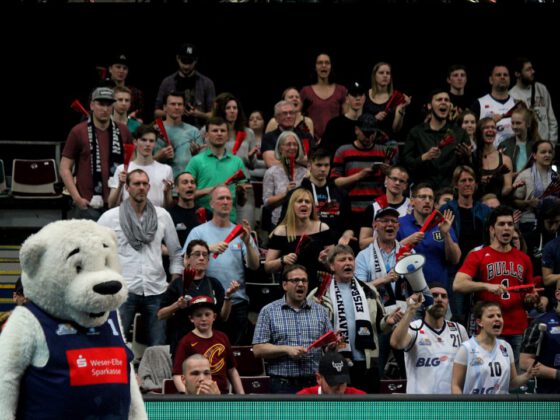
(285, 328)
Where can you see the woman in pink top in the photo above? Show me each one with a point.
(324, 99)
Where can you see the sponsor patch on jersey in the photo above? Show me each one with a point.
(65, 329)
(503, 350)
(98, 365)
(452, 326)
(93, 331)
(437, 236)
(477, 361)
(363, 331)
(424, 342)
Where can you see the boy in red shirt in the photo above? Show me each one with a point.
(214, 345)
(333, 376)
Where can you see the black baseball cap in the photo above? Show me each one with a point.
(334, 368)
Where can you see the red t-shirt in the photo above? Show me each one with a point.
(508, 269)
(314, 390)
(216, 349)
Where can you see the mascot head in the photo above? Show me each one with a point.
(70, 269)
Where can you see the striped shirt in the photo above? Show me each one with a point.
(282, 325)
(349, 160)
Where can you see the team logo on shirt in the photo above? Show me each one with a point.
(424, 342)
(504, 351)
(65, 329)
(452, 326)
(477, 361)
(437, 236)
(363, 331)
(555, 330)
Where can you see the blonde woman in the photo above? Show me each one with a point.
(301, 219)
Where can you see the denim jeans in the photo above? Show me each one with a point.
(148, 306)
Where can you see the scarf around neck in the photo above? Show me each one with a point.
(115, 156)
(138, 232)
(364, 330)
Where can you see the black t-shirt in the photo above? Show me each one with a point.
(185, 220)
(308, 256)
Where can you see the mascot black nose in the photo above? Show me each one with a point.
(108, 287)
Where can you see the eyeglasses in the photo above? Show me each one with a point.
(387, 221)
(425, 197)
(287, 113)
(397, 180)
(297, 280)
(198, 254)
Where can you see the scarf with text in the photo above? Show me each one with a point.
(364, 330)
(115, 157)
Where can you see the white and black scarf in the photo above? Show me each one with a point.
(115, 157)
(364, 330)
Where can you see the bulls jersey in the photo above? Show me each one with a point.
(508, 269)
(429, 357)
(488, 372)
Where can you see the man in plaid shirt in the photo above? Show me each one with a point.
(285, 328)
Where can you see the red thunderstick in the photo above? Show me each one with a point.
(238, 140)
(324, 340)
(326, 279)
(78, 107)
(304, 242)
(188, 278)
(433, 219)
(201, 215)
(446, 141)
(163, 131)
(238, 176)
(237, 230)
(128, 153)
(395, 100)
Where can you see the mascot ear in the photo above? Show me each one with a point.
(30, 255)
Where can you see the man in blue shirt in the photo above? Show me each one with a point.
(438, 244)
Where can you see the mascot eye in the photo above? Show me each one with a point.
(78, 268)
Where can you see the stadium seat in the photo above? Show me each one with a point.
(169, 387)
(256, 384)
(3, 186)
(247, 363)
(35, 178)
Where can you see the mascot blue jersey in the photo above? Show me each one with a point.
(87, 374)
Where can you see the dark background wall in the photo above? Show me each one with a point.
(51, 58)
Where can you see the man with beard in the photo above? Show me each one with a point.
(537, 98)
(489, 271)
(434, 148)
(429, 344)
(285, 328)
(140, 228)
(357, 314)
(438, 244)
(93, 150)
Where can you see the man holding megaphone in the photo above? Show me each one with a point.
(429, 344)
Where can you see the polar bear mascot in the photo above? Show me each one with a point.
(62, 355)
